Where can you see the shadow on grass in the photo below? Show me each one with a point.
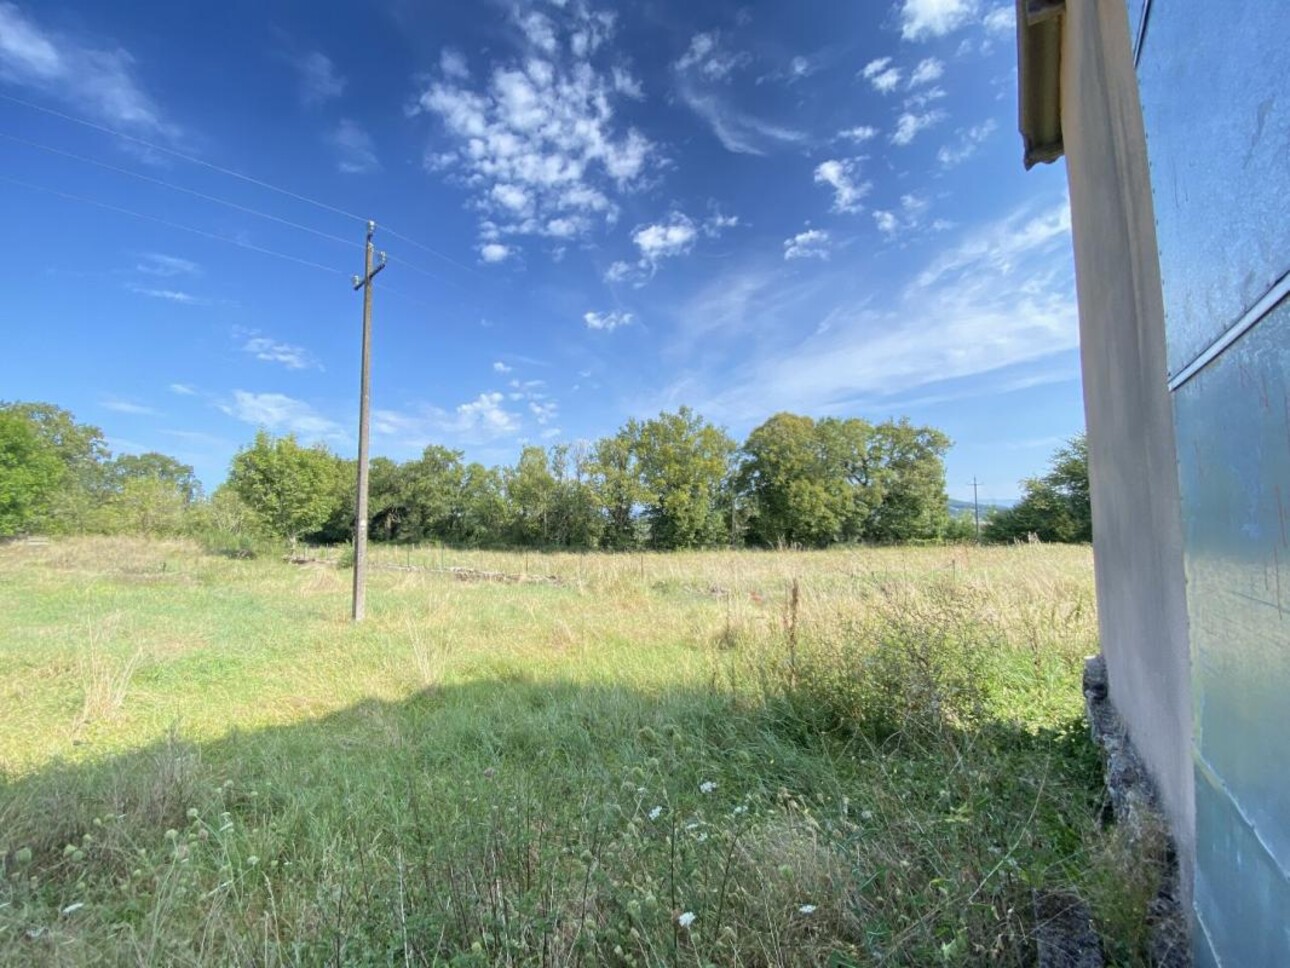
(525, 822)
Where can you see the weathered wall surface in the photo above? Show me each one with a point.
(1137, 534)
(1217, 118)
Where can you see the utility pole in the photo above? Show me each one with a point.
(364, 424)
(976, 509)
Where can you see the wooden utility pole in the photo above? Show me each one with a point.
(976, 510)
(364, 424)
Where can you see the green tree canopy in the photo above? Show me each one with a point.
(31, 472)
(1056, 506)
(292, 489)
(684, 462)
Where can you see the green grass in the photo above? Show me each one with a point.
(205, 763)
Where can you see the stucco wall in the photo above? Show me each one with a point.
(1137, 535)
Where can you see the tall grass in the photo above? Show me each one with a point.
(654, 760)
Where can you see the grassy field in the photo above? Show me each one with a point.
(631, 759)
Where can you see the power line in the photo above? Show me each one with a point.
(232, 173)
(180, 188)
(173, 225)
(191, 159)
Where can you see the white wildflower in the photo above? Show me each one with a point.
(686, 919)
(807, 909)
(740, 810)
(656, 813)
(707, 786)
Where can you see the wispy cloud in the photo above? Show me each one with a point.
(122, 405)
(271, 351)
(1002, 296)
(98, 78)
(170, 295)
(183, 389)
(702, 75)
(859, 134)
(929, 69)
(166, 266)
(355, 149)
(278, 412)
(319, 80)
(500, 367)
(969, 139)
(909, 124)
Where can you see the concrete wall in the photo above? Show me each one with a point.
(1137, 535)
(1217, 119)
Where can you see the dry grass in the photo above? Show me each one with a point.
(214, 766)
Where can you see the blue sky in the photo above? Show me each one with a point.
(591, 213)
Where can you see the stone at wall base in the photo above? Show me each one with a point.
(1135, 809)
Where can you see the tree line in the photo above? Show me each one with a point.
(674, 481)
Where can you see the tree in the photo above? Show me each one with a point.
(155, 467)
(292, 489)
(531, 493)
(795, 481)
(31, 472)
(1056, 506)
(684, 463)
(914, 504)
(614, 476)
(83, 452)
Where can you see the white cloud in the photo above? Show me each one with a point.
(909, 216)
(319, 81)
(493, 252)
(120, 405)
(453, 64)
(98, 80)
(544, 412)
(738, 131)
(888, 223)
(716, 223)
(183, 389)
(929, 69)
(500, 367)
(485, 413)
(920, 99)
(909, 124)
(156, 264)
(882, 75)
(859, 134)
(1001, 20)
(664, 240)
(170, 295)
(701, 73)
(355, 148)
(626, 84)
(271, 351)
(1001, 297)
(968, 141)
(811, 244)
(843, 177)
(278, 412)
(921, 19)
(608, 322)
(541, 129)
(619, 271)
(705, 57)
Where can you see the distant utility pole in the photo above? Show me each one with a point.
(364, 423)
(976, 510)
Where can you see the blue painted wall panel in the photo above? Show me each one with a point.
(1216, 104)
(1233, 422)
(1242, 899)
